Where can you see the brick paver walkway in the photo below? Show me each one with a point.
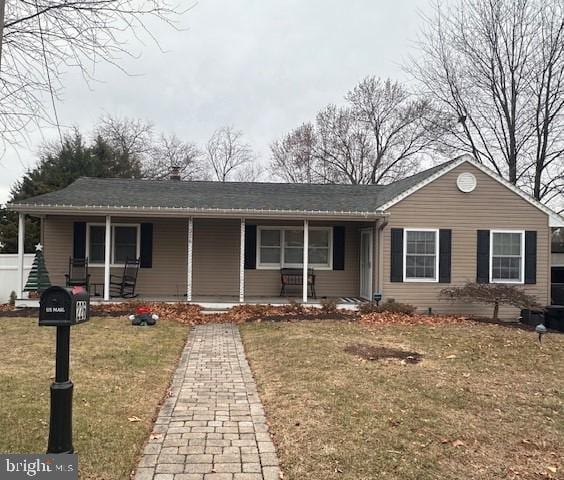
(212, 427)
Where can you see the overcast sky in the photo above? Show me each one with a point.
(262, 66)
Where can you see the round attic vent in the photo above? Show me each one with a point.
(466, 182)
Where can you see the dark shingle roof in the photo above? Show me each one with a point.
(134, 193)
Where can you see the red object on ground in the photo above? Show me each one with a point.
(141, 310)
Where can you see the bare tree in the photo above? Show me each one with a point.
(378, 137)
(402, 127)
(43, 38)
(226, 153)
(252, 172)
(497, 68)
(343, 148)
(156, 156)
(293, 156)
(132, 137)
(170, 152)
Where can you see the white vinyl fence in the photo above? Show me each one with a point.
(9, 273)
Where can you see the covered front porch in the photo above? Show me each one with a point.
(217, 262)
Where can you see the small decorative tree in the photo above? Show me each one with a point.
(495, 294)
(38, 279)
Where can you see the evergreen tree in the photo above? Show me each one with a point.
(38, 279)
(58, 167)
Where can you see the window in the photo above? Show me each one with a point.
(420, 255)
(507, 256)
(125, 243)
(270, 246)
(558, 240)
(284, 247)
(319, 251)
(293, 247)
(97, 244)
(124, 240)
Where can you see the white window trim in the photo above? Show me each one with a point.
(521, 280)
(282, 264)
(114, 225)
(414, 279)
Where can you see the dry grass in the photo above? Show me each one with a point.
(485, 403)
(119, 371)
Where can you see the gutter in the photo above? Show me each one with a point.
(43, 209)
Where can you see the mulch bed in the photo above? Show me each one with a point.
(193, 315)
(370, 352)
(190, 314)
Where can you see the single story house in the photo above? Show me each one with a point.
(210, 242)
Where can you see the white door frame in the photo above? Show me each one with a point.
(370, 240)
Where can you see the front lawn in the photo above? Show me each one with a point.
(484, 403)
(120, 373)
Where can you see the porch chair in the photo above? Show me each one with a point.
(124, 286)
(293, 277)
(78, 275)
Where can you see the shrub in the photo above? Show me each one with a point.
(294, 307)
(495, 294)
(328, 305)
(390, 305)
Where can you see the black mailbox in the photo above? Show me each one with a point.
(63, 307)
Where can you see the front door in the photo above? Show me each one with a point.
(366, 245)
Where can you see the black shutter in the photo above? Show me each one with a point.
(530, 257)
(146, 247)
(396, 262)
(250, 247)
(445, 247)
(79, 240)
(483, 257)
(338, 248)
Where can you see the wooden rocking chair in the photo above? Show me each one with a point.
(124, 286)
(78, 275)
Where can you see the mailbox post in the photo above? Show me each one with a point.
(62, 307)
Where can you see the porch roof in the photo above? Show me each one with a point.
(105, 195)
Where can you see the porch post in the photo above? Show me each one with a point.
(189, 267)
(21, 252)
(306, 259)
(242, 263)
(107, 257)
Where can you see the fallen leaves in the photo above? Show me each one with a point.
(190, 314)
(388, 318)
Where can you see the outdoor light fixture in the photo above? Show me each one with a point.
(541, 330)
(377, 297)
